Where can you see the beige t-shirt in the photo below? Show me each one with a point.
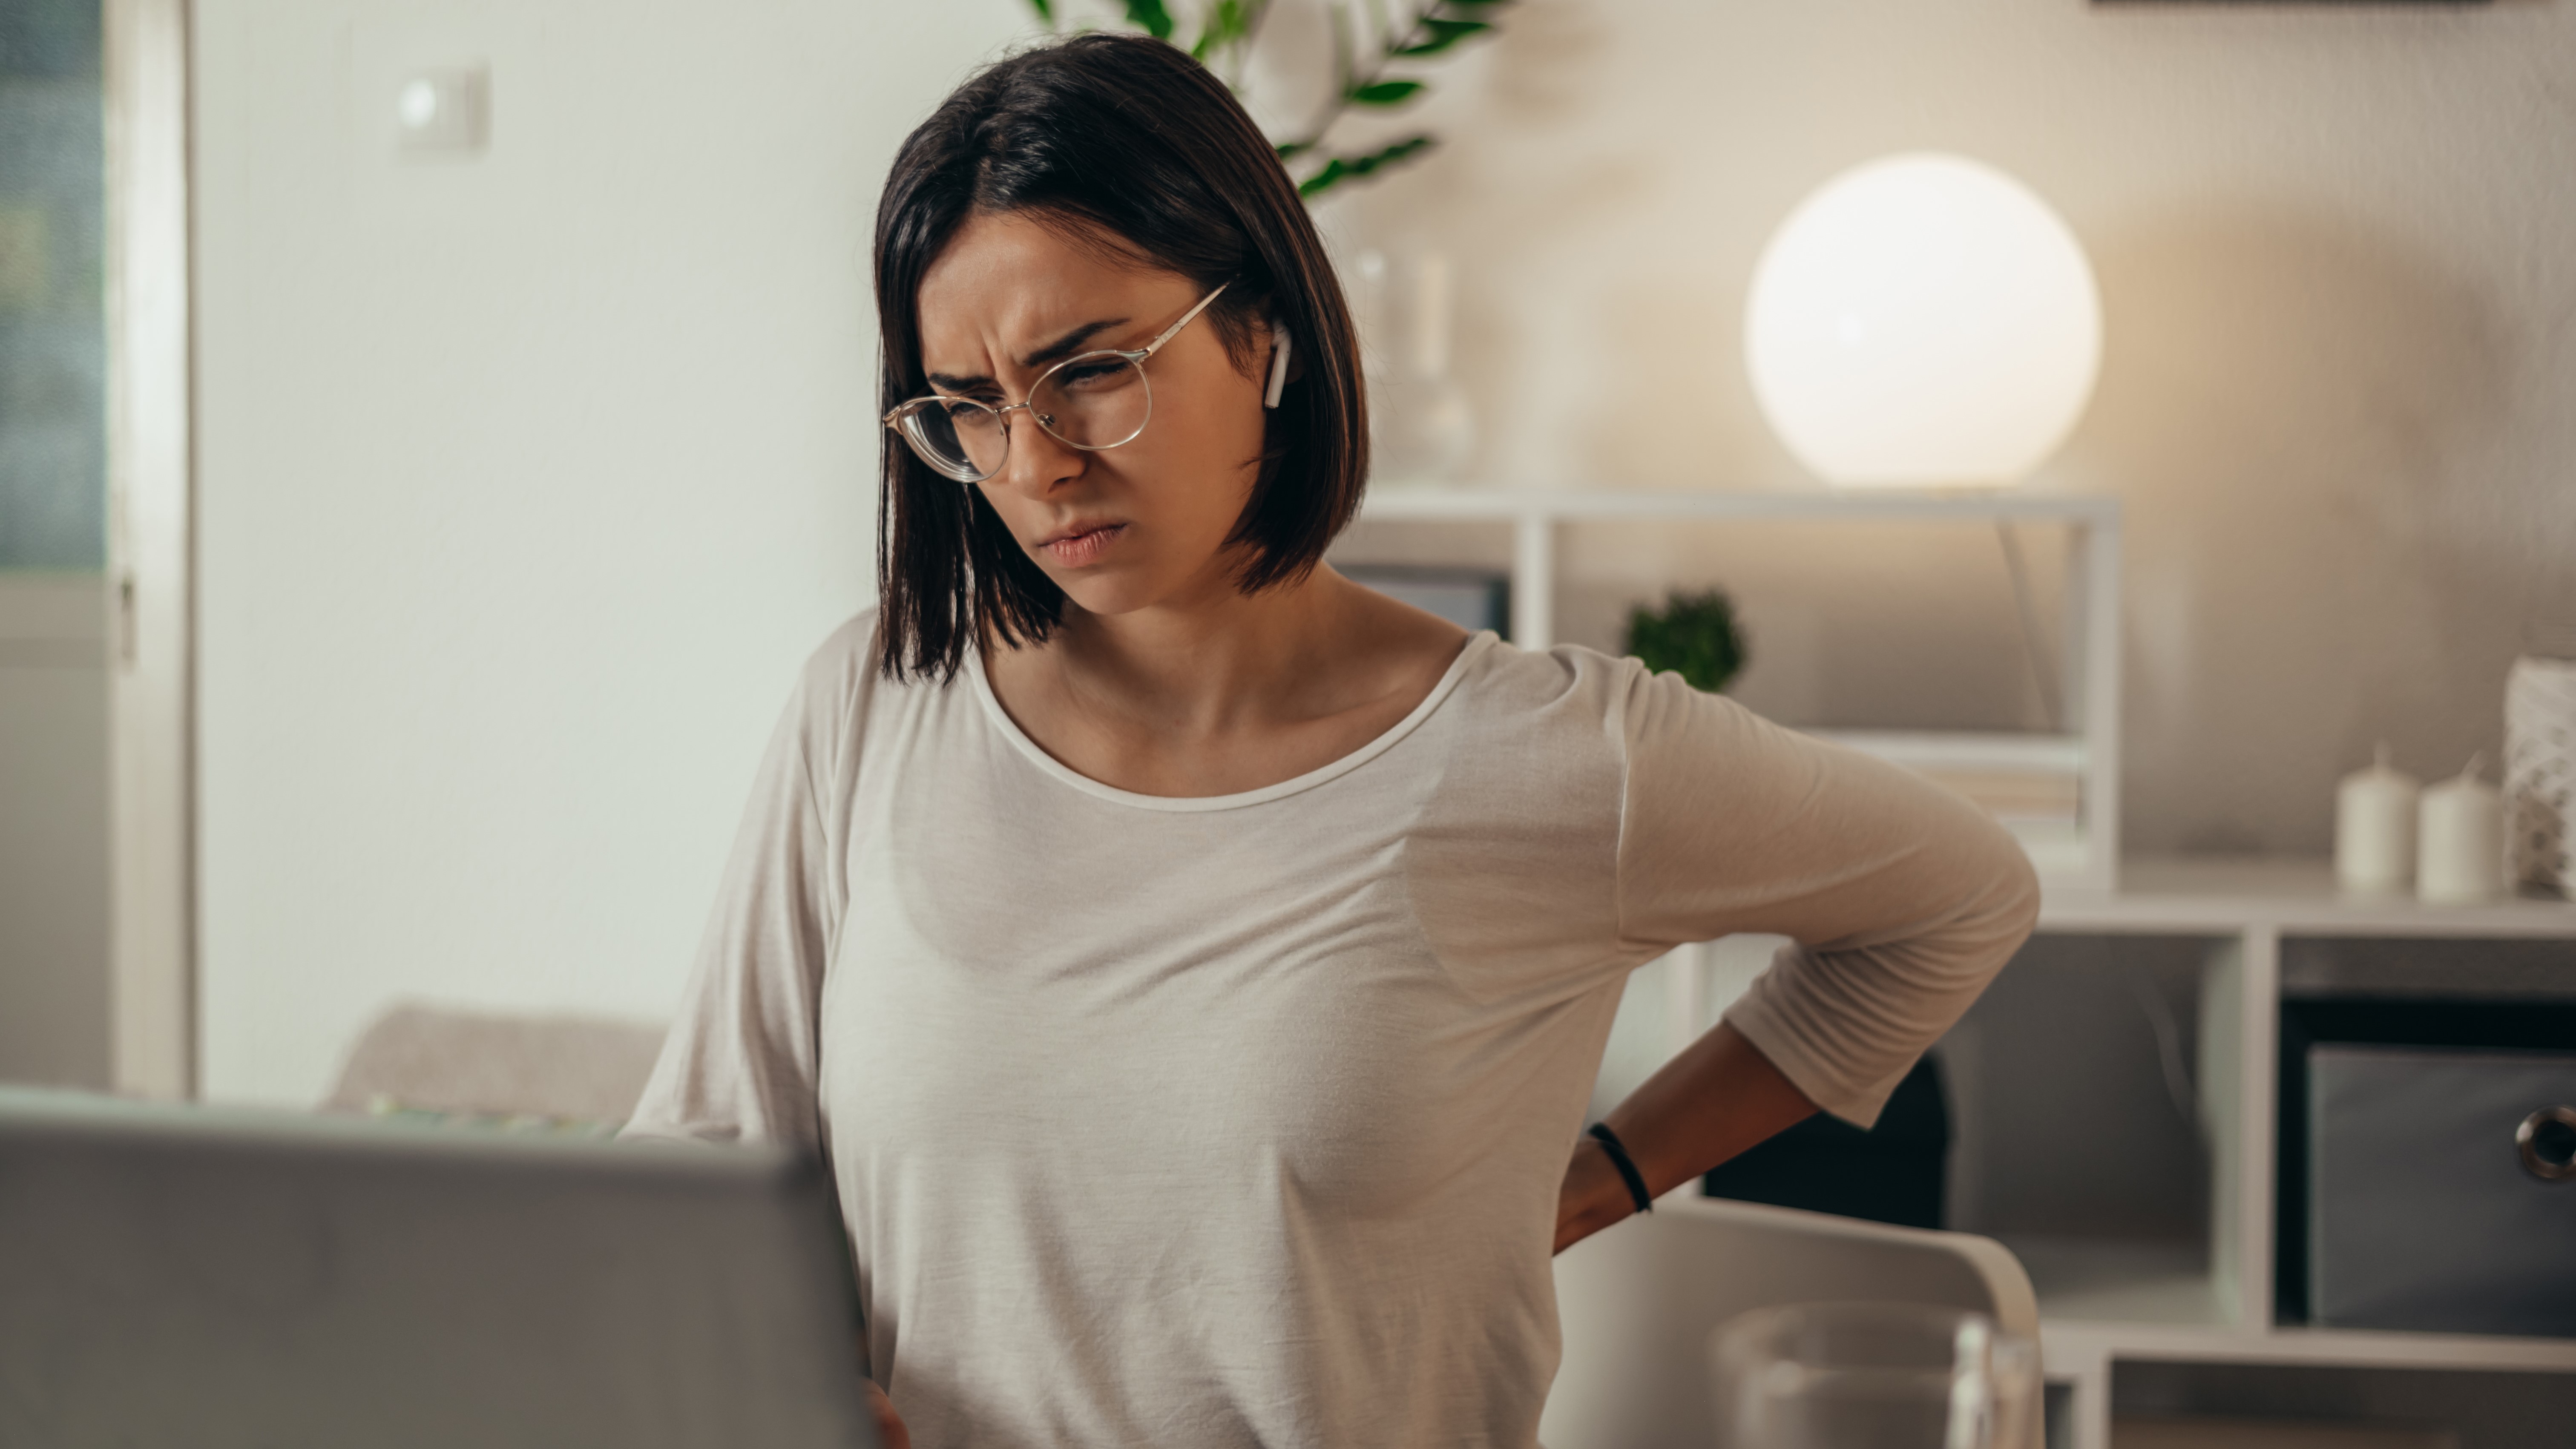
(1240, 1120)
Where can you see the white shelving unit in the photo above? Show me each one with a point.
(2105, 1302)
(2116, 1307)
(2086, 853)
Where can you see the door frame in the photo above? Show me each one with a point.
(152, 976)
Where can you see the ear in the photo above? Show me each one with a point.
(1278, 363)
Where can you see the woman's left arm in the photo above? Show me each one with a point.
(1719, 1097)
(1900, 899)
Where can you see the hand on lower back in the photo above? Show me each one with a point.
(889, 1423)
(1717, 1098)
(1592, 1197)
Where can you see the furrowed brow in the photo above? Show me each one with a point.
(1071, 342)
(1054, 352)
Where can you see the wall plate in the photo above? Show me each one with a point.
(444, 112)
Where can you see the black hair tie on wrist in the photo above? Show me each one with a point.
(1628, 1172)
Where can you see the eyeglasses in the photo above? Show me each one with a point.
(1093, 402)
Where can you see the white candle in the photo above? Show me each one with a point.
(2460, 856)
(2375, 827)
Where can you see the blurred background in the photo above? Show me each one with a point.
(530, 458)
(433, 433)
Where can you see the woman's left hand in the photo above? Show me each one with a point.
(1719, 1097)
(890, 1430)
(1592, 1197)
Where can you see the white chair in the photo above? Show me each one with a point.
(1638, 1302)
(571, 1068)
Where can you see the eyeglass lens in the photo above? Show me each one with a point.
(1091, 402)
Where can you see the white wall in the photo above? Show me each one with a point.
(526, 482)
(2338, 393)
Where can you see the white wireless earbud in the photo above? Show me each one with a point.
(1278, 364)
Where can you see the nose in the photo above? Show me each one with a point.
(1036, 463)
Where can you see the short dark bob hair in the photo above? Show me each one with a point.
(1130, 138)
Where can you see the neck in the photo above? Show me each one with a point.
(1216, 661)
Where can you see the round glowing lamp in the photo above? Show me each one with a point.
(1923, 321)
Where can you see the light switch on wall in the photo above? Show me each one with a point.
(444, 112)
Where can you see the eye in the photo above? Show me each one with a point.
(1090, 373)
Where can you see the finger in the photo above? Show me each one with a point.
(889, 1423)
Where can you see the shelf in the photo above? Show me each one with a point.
(1504, 505)
(1966, 749)
(2303, 1374)
(2033, 783)
(2071, 1346)
(2079, 1279)
(2224, 896)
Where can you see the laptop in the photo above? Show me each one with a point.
(224, 1279)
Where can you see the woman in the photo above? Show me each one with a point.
(1193, 964)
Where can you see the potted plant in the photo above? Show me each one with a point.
(1693, 635)
(1378, 53)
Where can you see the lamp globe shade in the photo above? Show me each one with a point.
(1923, 321)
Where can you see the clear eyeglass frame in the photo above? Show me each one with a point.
(920, 420)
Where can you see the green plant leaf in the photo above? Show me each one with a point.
(1225, 25)
(1324, 180)
(1692, 635)
(1386, 92)
(1404, 150)
(1045, 10)
(1352, 168)
(1444, 34)
(1290, 150)
(1151, 17)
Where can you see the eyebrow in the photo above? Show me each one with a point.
(1056, 351)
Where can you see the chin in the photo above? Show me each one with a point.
(1095, 594)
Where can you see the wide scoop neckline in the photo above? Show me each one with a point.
(1476, 645)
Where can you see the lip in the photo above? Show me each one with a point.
(1077, 544)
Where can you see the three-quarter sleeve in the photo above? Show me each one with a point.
(1901, 898)
(740, 1063)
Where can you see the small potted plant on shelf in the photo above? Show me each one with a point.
(1693, 635)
